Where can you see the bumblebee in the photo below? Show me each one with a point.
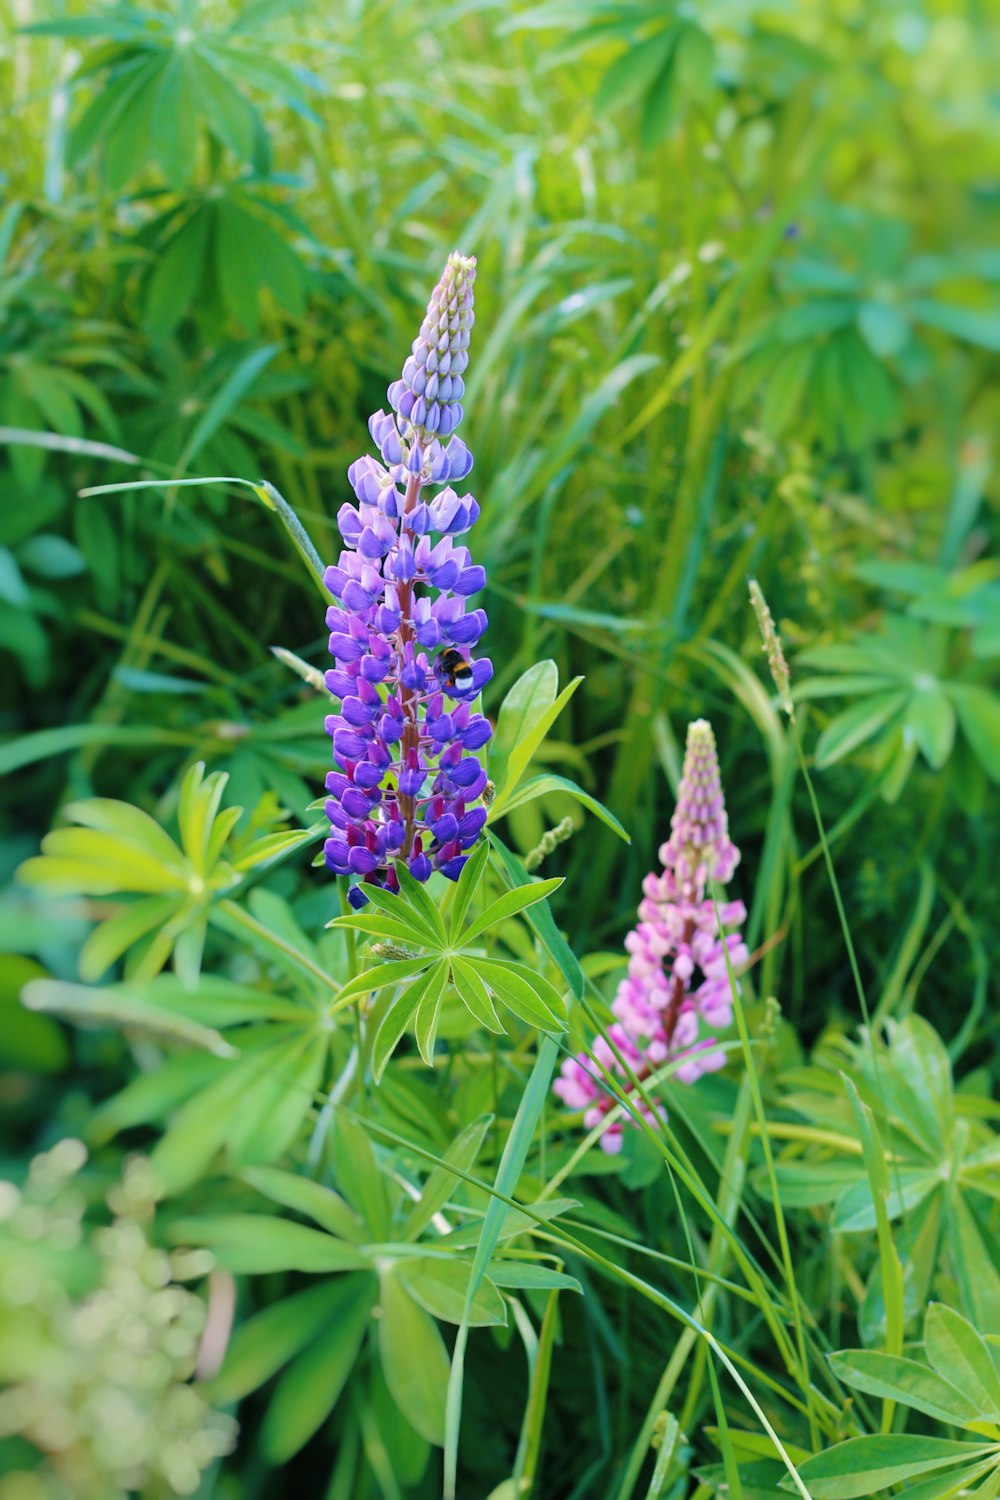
(454, 672)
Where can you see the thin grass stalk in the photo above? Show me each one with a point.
(757, 1097)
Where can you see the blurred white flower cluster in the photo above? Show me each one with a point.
(98, 1343)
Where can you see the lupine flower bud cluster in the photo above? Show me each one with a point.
(677, 974)
(406, 736)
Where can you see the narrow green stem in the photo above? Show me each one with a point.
(779, 1216)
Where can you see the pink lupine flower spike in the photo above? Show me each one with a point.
(677, 972)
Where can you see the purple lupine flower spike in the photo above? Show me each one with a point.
(406, 736)
(677, 972)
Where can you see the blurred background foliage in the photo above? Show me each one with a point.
(737, 312)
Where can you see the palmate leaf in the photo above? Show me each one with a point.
(268, 1114)
(857, 725)
(508, 905)
(101, 1007)
(254, 1108)
(357, 1172)
(468, 884)
(450, 960)
(256, 1244)
(321, 1204)
(121, 850)
(439, 1287)
(441, 1183)
(961, 1358)
(474, 995)
(310, 1387)
(894, 1378)
(429, 1011)
(160, 86)
(864, 1465)
(528, 994)
(979, 715)
(390, 1021)
(541, 786)
(265, 1342)
(413, 1356)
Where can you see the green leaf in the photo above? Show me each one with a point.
(155, 1096)
(884, 328)
(51, 557)
(107, 815)
(372, 980)
(961, 1357)
(919, 1083)
(531, 695)
(412, 921)
(269, 1340)
(528, 742)
(441, 1183)
(269, 1114)
(249, 256)
(231, 118)
(33, 1042)
(661, 104)
(413, 1359)
(541, 786)
(543, 923)
(177, 274)
(511, 1165)
(394, 1021)
(890, 1268)
(810, 1184)
(857, 1211)
(529, 995)
(526, 1275)
(468, 883)
(358, 1173)
(428, 1011)
(440, 1287)
(633, 71)
(256, 1244)
(419, 897)
(112, 1007)
(979, 326)
(175, 121)
(979, 716)
(309, 1388)
(28, 749)
(81, 861)
(955, 1484)
(321, 1204)
(863, 1465)
(508, 905)
(225, 401)
(856, 725)
(894, 1378)
(474, 995)
(974, 1268)
(116, 934)
(269, 846)
(930, 717)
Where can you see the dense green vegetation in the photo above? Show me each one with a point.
(736, 315)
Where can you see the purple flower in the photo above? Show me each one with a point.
(677, 968)
(405, 736)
